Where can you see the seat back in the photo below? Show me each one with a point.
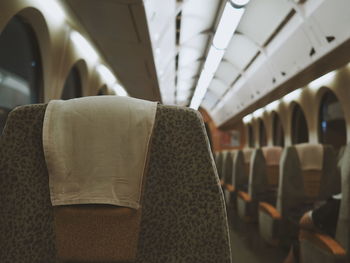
(343, 225)
(219, 163)
(241, 164)
(308, 173)
(229, 166)
(264, 173)
(175, 224)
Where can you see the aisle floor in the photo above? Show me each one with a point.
(248, 247)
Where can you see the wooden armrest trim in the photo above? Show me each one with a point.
(325, 242)
(246, 197)
(230, 188)
(221, 182)
(269, 209)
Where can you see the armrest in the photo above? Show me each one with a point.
(269, 209)
(221, 182)
(246, 197)
(324, 242)
(230, 188)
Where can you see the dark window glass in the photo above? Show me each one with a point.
(278, 133)
(72, 86)
(262, 134)
(332, 126)
(300, 132)
(20, 67)
(251, 136)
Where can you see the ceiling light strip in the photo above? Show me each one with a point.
(227, 26)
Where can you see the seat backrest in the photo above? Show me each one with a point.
(263, 172)
(272, 157)
(308, 173)
(241, 164)
(343, 225)
(219, 163)
(247, 154)
(229, 162)
(175, 224)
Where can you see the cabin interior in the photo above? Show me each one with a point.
(262, 74)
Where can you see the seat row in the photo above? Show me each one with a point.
(275, 187)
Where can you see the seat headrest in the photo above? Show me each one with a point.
(272, 154)
(247, 153)
(310, 156)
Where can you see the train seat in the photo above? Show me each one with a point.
(183, 217)
(229, 189)
(263, 180)
(319, 247)
(308, 174)
(219, 165)
(243, 173)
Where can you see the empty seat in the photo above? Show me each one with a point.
(318, 247)
(177, 225)
(263, 181)
(229, 189)
(308, 174)
(241, 177)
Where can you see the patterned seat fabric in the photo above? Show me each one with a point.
(183, 215)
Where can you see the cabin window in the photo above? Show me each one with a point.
(72, 87)
(251, 136)
(262, 134)
(20, 67)
(102, 91)
(278, 133)
(300, 132)
(331, 126)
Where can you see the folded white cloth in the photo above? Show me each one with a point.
(310, 156)
(96, 149)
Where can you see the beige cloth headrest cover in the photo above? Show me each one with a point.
(310, 156)
(247, 153)
(272, 155)
(96, 149)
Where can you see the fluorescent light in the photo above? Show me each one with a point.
(273, 105)
(321, 81)
(227, 26)
(83, 46)
(292, 96)
(106, 74)
(201, 89)
(258, 113)
(213, 60)
(248, 118)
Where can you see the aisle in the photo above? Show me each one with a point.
(247, 245)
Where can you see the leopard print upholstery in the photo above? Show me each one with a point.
(183, 214)
(184, 218)
(26, 215)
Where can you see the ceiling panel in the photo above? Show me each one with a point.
(240, 51)
(119, 29)
(262, 17)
